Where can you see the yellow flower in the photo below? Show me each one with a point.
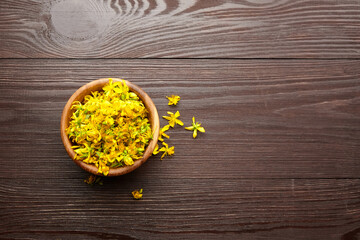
(156, 150)
(128, 161)
(173, 99)
(92, 179)
(110, 86)
(163, 134)
(196, 126)
(137, 194)
(102, 168)
(173, 119)
(167, 151)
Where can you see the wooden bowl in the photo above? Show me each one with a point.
(97, 85)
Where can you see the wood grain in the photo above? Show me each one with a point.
(263, 119)
(280, 156)
(180, 208)
(180, 29)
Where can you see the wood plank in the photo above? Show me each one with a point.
(180, 209)
(179, 29)
(264, 118)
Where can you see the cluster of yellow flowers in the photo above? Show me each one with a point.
(110, 128)
(173, 120)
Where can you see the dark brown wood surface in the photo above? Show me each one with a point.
(277, 90)
(180, 28)
(264, 119)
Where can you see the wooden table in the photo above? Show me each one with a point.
(276, 85)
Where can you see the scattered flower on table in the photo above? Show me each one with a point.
(173, 99)
(93, 179)
(137, 194)
(167, 151)
(196, 126)
(163, 134)
(172, 118)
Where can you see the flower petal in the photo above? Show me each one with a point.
(165, 128)
(179, 122)
(201, 129)
(171, 151)
(195, 133)
(191, 128)
(156, 150)
(167, 118)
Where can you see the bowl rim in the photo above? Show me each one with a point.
(97, 85)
